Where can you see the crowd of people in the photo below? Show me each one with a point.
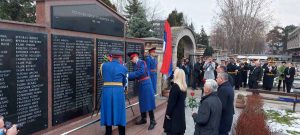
(243, 73)
(218, 82)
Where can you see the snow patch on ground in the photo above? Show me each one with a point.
(276, 127)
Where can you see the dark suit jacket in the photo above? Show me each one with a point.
(208, 117)
(226, 95)
(291, 72)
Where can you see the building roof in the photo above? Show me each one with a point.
(295, 31)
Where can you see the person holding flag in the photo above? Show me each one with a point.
(152, 67)
(145, 88)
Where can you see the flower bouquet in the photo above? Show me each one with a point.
(192, 102)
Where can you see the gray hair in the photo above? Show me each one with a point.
(211, 84)
(224, 76)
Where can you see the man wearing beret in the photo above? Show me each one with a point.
(145, 88)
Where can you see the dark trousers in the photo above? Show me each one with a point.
(196, 82)
(245, 84)
(279, 85)
(151, 115)
(253, 84)
(109, 130)
(289, 84)
(223, 133)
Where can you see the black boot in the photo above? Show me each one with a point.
(121, 130)
(108, 130)
(152, 120)
(152, 124)
(143, 120)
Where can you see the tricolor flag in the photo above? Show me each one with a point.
(166, 68)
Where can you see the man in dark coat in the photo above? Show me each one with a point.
(196, 74)
(202, 71)
(210, 110)
(289, 73)
(226, 95)
(255, 76)
(145, 87)
(244, 73)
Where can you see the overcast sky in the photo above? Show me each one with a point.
(203, 12)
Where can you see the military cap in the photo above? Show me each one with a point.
(152, 50)
(132, 54)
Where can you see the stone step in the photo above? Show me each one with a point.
(96, 129)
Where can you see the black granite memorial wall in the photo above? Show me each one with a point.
(89, 18)
(104, 47)
(73, 78)
(23, 79)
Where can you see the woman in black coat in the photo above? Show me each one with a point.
(174, 123)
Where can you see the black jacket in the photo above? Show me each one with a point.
(176, 110)
(291, 72)
(226, 95)
(256, 74)
(208, 117)
(197, 68)
(231, 81)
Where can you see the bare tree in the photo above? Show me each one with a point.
(244, 23)
(153, 11)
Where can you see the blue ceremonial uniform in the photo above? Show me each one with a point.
(152, 68)
(145, 87)
(113, 110)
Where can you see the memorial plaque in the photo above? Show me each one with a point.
(104, 47)
(23, 79)
(72, 73)
(89, 18)
(133, 47)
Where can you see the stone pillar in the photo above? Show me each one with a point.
(40, 12)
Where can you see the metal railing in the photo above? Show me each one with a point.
(94, 121)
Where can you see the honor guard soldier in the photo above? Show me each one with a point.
(145, 88)
(232, 71)
(113, 110)
(152, 66)
(269, 75)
